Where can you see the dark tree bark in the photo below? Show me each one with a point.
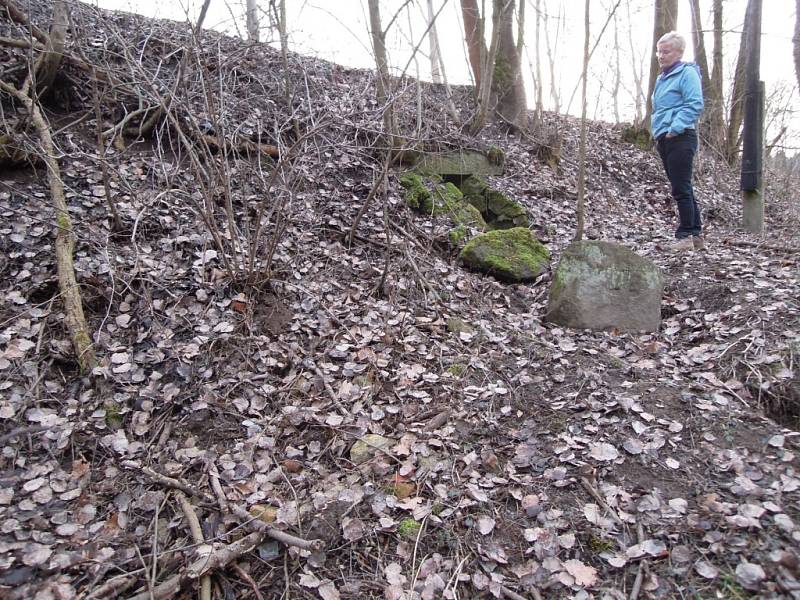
(507, 82)
(665, 19)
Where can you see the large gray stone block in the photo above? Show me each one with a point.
(601, 285)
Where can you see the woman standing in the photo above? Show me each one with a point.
(677, 104)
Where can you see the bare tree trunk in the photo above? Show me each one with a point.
(617, 74)
(551, 60)
(716, 67)
(473, 36)
(252, 20)
(382, 64)
(539, 92)
(638, 73)
(736, 114)
(707, 129)
(485, 96)
(507, 81)
(717, 108)
(579, 211)
(433, 44)
(796, 40)
(698, 42)
(665, 19)
(49, 61)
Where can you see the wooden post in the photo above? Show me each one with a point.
(753, 199)
(753, 132)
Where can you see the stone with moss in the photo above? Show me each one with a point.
(601, 286)
(496, 156)
(638, 136)
(456, 325)
(417, 195)
(510, 255)
(497, 209)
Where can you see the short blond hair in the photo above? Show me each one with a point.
(675, 39)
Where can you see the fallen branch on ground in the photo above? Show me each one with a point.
(217, 559)
(65, 238)
(197, 538)
(760, 246)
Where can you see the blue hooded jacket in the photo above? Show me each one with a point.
(677, 100)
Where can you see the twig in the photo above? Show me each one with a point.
(197, 538)
(512, 595)
(20, 43)
(113, 588)
(246, 576)
(170, 482)
(277, 534)
(637, 584)
(760, 246)
(213, 475)
(596, 495)
(327, 386)
(22, 431)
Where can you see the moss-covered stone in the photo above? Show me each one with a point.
(638, 136)
(511, 255)
(496, 156)
(368, 446)
(456, 325)
(497, 209)
(417, 195)
(457, 235)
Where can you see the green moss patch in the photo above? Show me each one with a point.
(510, 255)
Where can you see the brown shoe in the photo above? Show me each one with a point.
(681, 245)
(699, 242)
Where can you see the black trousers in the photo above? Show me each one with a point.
(677, 154)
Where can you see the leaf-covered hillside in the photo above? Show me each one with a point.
(299, 408)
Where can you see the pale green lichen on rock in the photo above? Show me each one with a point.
(511, 255)
(368, 446)
(601, 285)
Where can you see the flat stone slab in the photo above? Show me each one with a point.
(601, 285)
(459, 163)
